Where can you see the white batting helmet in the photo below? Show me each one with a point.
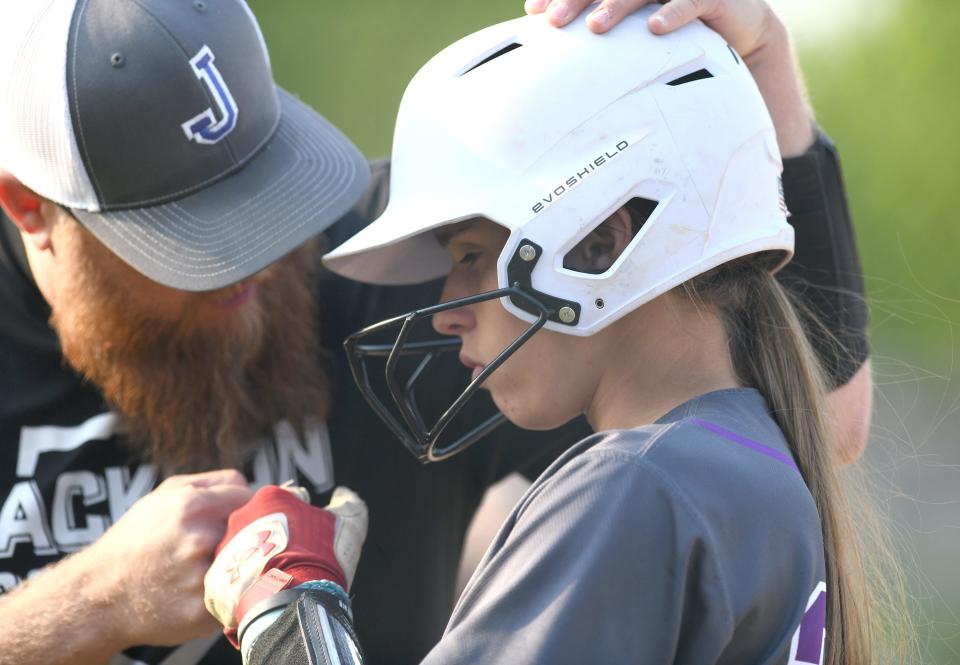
(548, 131)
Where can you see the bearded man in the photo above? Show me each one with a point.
(251, 349)
(164, 318)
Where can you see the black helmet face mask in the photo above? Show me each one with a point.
(421, 439)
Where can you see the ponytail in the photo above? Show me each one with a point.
(771, 353)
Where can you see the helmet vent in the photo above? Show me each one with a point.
(698, 75)
(593, 255)
(493, 56)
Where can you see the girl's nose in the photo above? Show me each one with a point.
(454, 321)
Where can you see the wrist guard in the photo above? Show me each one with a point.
(315, 630)
(825, 273)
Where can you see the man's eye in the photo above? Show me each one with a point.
(469, 257)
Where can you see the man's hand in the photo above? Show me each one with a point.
(749, 26)
(154, 558)
(745, 24)
(141, 582)
(277, 541)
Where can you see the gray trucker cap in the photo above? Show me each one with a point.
(157, 122)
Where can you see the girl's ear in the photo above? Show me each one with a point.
(26, 209)
(603, 246)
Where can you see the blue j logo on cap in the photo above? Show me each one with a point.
(205, 128)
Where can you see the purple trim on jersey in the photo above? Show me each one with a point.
(810, 641)
(744, 441)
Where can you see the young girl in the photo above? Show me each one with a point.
(607, 215)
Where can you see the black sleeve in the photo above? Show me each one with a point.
(825, 274)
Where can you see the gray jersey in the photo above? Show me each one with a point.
(691, 541)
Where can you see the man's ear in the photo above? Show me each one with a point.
(603, 246)
(26, 210)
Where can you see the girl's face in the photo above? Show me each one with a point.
(549, 379)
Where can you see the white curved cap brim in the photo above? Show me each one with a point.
(399, 247)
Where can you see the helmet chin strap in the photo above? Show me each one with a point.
(419, 438)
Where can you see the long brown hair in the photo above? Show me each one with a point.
(772, 353)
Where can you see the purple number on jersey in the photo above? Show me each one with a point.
(807, 646)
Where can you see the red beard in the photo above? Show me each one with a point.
(196, 393)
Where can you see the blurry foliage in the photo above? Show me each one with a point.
(891, 100)
(352, 61)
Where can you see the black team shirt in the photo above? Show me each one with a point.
(65, 475)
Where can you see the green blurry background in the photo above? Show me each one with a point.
(887, 88)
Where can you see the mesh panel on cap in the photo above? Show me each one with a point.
(37, 144)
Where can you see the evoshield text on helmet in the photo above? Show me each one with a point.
(547, 132)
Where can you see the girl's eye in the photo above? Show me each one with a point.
(469, 257)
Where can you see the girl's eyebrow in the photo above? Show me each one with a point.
(446, 234)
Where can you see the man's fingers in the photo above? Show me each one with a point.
(610, 12)
(218, 477)
(221, 500)
(602, 16)
(535, 6)
(559, 12)
(677, 13)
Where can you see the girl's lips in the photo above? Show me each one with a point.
(239, 299)
(475, 365)
(476, 372)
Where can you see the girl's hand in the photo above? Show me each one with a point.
(278, 541)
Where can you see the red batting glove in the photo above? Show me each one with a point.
(278, 541)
